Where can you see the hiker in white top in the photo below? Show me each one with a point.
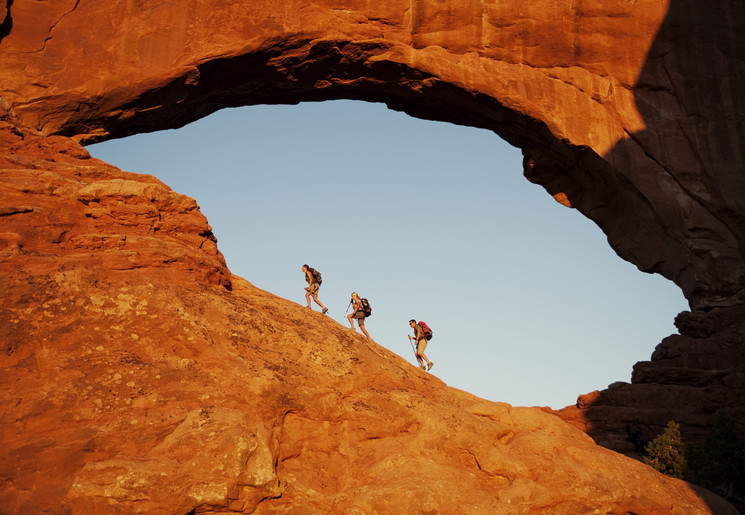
(357, 312)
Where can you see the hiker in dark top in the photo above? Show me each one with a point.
(312, 289)
(421, 344)
(358, 313)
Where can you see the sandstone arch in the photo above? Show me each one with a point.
(608, 102)
(631, 112)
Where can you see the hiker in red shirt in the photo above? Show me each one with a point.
(421, 344)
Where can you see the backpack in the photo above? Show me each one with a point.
(366, 309)
(316, 275)
(427, 331)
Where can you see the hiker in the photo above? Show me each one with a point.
(421, 344)
(313, 277)
(358, 312)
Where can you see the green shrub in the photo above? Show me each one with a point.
(719, 464)
(667, 452)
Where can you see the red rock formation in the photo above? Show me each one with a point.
(608, 100)
(130, 362)
(690, 377)
(134, 381)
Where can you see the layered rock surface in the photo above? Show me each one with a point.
(140, 377)
(690, 377)
(631, 112)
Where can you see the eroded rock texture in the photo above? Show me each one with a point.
(628, 111)
(689, 378)
(141, 375)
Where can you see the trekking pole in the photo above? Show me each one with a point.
(412, 345)
(350, 303)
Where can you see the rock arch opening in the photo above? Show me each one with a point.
(430, 220)
(630, 112)
(601, 108)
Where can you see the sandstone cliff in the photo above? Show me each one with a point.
(630, 112)
(140, 377)
(690, 377)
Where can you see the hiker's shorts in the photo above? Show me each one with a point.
(421, 345)
(359, 315)
(313, 288)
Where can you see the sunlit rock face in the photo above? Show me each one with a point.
(139, 374)
(629, 111)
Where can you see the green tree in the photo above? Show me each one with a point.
(667, 452)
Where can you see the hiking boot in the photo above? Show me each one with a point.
(431, 364)
(325, 310)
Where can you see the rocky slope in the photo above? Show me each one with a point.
(116, 302)
(139, 376)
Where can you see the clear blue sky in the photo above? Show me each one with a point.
(528, 303)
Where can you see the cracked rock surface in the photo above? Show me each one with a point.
(140, 374)
(630, 112)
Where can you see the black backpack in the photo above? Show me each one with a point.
(366, 309)
(316, 275)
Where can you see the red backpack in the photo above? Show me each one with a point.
(427, 330)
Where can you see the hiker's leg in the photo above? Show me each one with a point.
(361, 321)
(351, 322)
(324, 309)
(421, 345)
(315, 298)
(419, 354)
(307, 297)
